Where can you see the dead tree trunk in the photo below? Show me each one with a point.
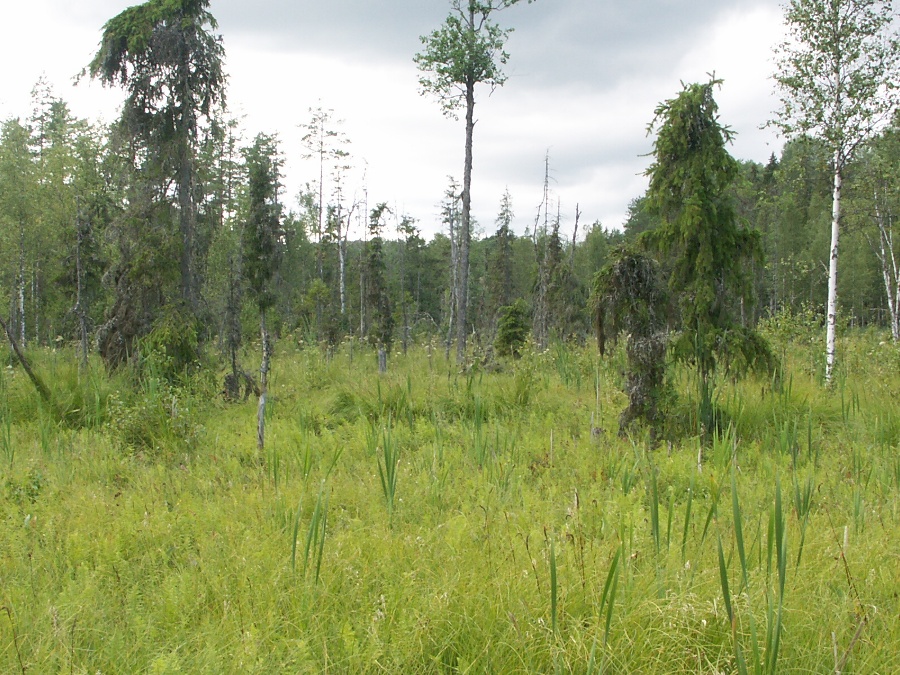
(263, 383)
(38, 383)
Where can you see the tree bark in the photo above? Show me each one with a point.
(890, 273)
(831, 322)
(462, 291)
(342, 264)
(21, 286)
(454, 279)
(263, 384)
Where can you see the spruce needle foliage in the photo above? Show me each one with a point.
(689, 191)
(512, 329)
(629, 297)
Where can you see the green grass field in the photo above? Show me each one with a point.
(432, 521)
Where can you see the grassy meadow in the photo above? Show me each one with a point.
(432, 520)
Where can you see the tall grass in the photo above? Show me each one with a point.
(173, 553)
(6, 442)
(388, 466)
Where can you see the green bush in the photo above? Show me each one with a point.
(512, 329)
(171, 351)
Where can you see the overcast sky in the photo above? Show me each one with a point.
(584, 79)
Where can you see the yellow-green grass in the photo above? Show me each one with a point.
(148, 534)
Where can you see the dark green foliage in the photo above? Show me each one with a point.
(690, 181)
(499, 272)
(161, 49)
(512, 328)
(262, 229)
(171, 350)
(629, 297)
(170, 64)
(565, 292)
(381, 329)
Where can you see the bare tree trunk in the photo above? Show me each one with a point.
(78, 310)
(22, 331)
(342, 267)
(187, 221)
(454, 281)
(831, 324)
(21, 286)
(263, 383)
(541, 319)
(890, 273)
(462, 291)
(36, 303)
(362, 299)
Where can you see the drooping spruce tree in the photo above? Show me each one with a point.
(690, 178)
(629, 298)
(168, 60)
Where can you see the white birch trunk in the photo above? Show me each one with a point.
(22, 331)
(342, 266)
(889, 272)
(831, 321)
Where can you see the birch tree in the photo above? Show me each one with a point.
(874, 203)
(837, 76)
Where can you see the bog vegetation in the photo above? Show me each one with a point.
(235, 438)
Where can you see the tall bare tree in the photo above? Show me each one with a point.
(465, 51)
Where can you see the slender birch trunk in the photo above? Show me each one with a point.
(831, 324)
(890, 273)
(454, 284)
(342, 269)
(20, 283)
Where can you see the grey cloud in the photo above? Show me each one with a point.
(586, 41)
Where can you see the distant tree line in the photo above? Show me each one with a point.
(166, 233)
